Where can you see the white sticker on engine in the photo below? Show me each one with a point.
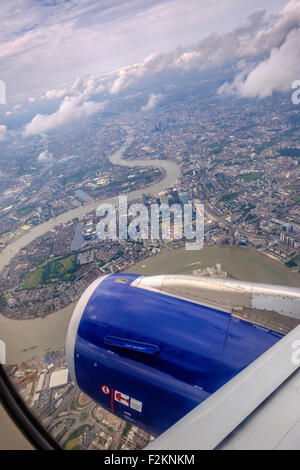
(136, 405)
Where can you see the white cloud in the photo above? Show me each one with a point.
(45, 43)
(122, 81)
(92, 85)
(275, 39)
(64, 90)
(45, 157)
(211, 52)
(71, 108)
(153, 100)
(281, 67)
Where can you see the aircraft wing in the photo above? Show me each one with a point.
(257, 409)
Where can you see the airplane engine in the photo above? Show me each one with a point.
(150, 356)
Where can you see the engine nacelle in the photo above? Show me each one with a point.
(151, 357)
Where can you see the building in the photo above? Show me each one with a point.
(59, 378)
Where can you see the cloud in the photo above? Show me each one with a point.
(266, 50)
(71, 108)
(3, 132)
(264, 41)
(45, 157)
(124, 79)
(281, 67)
(92, 85)
(153, 100)
(51, 42)
(209, 53)
(63, 90)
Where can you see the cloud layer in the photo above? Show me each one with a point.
(264, 50)
(271, 44)
(153, 100)
(280, 67)
(50, 42)
(71, 108)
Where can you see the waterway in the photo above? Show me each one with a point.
(172, 173)
(240, 263)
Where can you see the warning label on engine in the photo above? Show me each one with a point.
(136, 405)
(122, 398)
(128, 401)
(105, 389)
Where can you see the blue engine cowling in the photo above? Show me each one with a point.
(149, 357)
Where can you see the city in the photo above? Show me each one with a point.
(214, 123)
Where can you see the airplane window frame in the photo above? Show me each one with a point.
(22, 416)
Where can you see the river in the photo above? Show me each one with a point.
(173, 172)
(245, 264)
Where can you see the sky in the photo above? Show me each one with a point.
(46, 42)
(73, 50)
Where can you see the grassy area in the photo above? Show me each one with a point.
(72, 179)
(243, 155)
(3, 301)
(72, 442)
(292, 187)
(251, 176)
(53, 272)
(141, 175)
(247, 207)
(124, 434)
(25, 210)
(65, 264)
(57, 269)
(227, 197)
(294, 262)
(33, 279)
(67, 276)
(81, 401)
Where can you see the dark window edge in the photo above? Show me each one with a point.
(22, 416)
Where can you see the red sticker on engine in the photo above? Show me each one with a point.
(105, 389)
(122, 398)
